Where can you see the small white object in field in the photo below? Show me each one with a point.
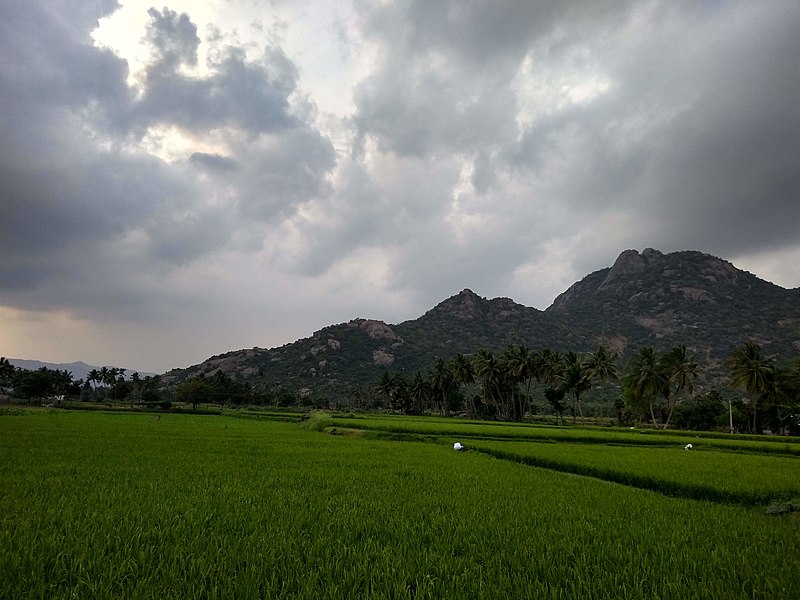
(457, 446)
(687, 447)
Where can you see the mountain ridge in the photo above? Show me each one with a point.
(79, 369)
(647, 298)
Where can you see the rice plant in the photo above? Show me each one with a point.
(130, 506)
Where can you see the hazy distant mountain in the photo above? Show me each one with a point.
(650, 298)
(78, 369)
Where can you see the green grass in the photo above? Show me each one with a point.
(434, 426)
(96, 505)
(701, 474)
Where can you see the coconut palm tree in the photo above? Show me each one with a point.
(601, 365)
(136, 381)
(490, 372)
(574, 379)
(385, 387)
(524, 365)
(6, 372)
(463, 374)
(551, 366)
(509, 360)
(753, 372)
(94, 378)
(441, 379)
(680, 369)
(647, 378)
(420, 391)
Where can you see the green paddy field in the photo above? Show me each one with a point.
(127, 505)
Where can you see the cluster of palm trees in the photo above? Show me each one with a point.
(111, 377)
(505, 381)
(651, 385)
(766, 384)
(652, 380)
(35, 385)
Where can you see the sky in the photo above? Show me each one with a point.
(182, 180)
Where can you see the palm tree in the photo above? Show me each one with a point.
(106, 377)
(441, 378)
(463, 374)
(525, 365)
(575, 379)
(551, 366)
(117, 380)
(508, 362)
(601, 365)
(94, 378)
(754, 373)
(137, 388)
(489, 371)
(680, 369)
(6, 372)
(385, 387)
(420, 391)
(648, 379)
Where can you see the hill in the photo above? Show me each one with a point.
(78, 369)
(647, 298)
(686, 298)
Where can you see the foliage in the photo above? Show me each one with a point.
(755, 373)
(197, 391)
(6, 373)
(703, 475)
(134, 506)
(35, 386)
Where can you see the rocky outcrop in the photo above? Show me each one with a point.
(628, 263)
(382, 358)
(465, 305)
(377, 330)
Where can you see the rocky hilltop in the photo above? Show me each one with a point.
(684, 297)
(646, 298)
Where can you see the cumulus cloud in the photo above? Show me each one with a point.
(674, 120)
(75, 179)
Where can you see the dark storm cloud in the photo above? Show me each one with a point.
(49, 66)
(363, 212)
(250, 95)
(279, 174)
(214, 162)
(692, 141)
(714, 162)
(445, 83)
(282, 160)
(80, 203)
(173, 37)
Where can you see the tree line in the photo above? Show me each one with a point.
(111, 384)
(650, 386)
(104, 384)
(656, 387)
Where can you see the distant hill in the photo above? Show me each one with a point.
(646, 298)
(686, 298)
(78, 369)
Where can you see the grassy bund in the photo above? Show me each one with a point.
(98, 505)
